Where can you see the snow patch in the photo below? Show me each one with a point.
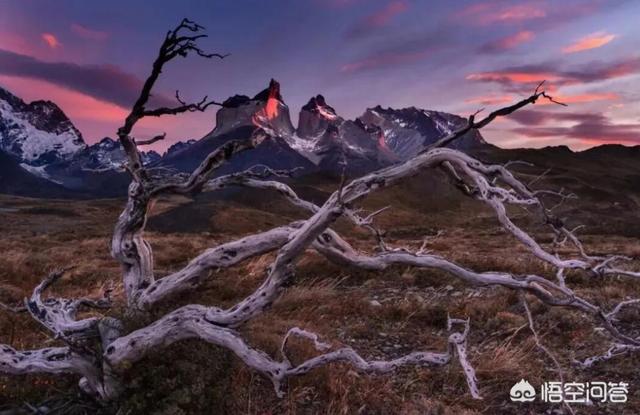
(38, 171)
(326, 114)
(32, 142)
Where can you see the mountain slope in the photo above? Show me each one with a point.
(239, 117)
(37, 133)
(407, 131)
(16, 180)
(273, 152)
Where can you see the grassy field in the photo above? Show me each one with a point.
(379, 314)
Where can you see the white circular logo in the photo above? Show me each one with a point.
(522, 392)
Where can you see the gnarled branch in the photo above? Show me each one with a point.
(191, 322)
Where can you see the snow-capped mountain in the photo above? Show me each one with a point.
(238, 118)
(37, 133)
(44, 142)
(334, 143)
(40, 136)
(330, 143)
(105, 154)
(407, 131)
(97, 168)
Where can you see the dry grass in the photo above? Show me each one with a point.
(337, 303)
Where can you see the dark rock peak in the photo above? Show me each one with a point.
(406, 111)
(332, 131)
(43, 107)
(314, 102)
(403, 112)
(318, 102)
(368, 128)
(13, 100)
(236, 101)
(266, 108)
(273, 91)
(43, 114)
(179, 146)
(107, 142)
(150, 156)
(315, 116)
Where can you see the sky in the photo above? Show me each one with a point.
(458, 56)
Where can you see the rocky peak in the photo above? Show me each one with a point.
(266, 109)
(408, 130)
(107, 143)
(181, 145)
(272, 91)
(11, 99)
(318, 103)
(315, 117)
(37, 133)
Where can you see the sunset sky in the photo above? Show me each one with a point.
(457, 56)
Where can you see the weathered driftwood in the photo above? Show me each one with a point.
(98, 349)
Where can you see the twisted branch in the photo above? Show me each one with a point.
(102, 362)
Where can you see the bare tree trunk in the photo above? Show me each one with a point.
(99, 350)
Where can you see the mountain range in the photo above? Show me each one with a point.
(43, 154)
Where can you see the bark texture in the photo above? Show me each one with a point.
(99, 350)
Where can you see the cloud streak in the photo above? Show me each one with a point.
(522, 78)
(508, 42)
(398, 51)
(378, 19)
(583, 98)
(491, 100)
(594, 127)
(593, 41)
(384, 60)
(492, 12)
(104, 82)
(544, 15)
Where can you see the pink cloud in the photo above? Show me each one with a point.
(96, 118)
(490, 100)
(524, 78)
(106, 82)
(513, 77)
(383, 16)
(593, 41)
(51, 40)
(595, 127)
(509, 42)
(492, 12)
(383, 60)
(379, 18)
(583, 98)
(12, 42)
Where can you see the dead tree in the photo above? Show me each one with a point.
(100, 363)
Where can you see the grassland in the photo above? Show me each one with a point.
(379, 314)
